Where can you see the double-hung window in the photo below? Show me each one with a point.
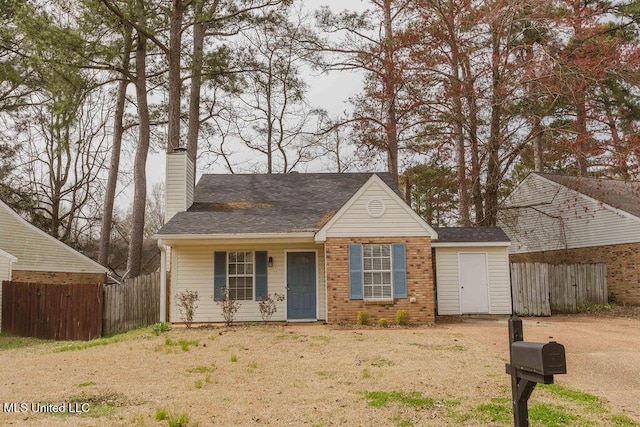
(377, 272)
(376, 267)
(241, 275)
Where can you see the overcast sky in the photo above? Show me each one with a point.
(328, 91)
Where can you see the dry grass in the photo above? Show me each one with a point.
(277, 375)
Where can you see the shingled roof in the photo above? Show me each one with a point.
(471, 235)
(618, 193)
(266, 203)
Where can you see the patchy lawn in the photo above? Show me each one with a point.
(445, 375)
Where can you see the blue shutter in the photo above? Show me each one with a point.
(398, 253)
(355, 272)
(261, 291)
(219, 275)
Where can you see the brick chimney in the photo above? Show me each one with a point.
(179, 183)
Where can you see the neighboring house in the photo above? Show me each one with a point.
(564, 220)
(39, 257)
(472, 271)
(333, 244)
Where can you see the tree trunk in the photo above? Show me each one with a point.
(495, 137)
(175, 80)
(199, 31)
(134, 258)
(390, 89)
(114, 167)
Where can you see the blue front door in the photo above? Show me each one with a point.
(301, 285)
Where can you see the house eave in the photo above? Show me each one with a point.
(8, 256)
(292, 236)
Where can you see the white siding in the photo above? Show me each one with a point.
(5, 274)
(5, 269)
(448, 286)
(548, 216)
(179, 184)
(396, 221)
(36, 250)
(192, 269)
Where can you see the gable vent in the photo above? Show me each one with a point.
(375, 208)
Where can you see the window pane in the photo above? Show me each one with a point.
(366, 250)
(368, 292)
(385, 250)
(386, 264)
(248, 257)
(386, 278)
(368, 278)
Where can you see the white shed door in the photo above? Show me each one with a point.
(474, 286)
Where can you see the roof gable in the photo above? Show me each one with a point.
(265, 204)
(393, 217)
(38, 251)
(621, 195)
(552, 212)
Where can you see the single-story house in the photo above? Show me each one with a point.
(472, 271)
(332, 244)
(28, 254)
(39, 257)
(560, 219)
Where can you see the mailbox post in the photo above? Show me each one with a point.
(530, 363)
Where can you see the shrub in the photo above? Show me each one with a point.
(229, 306)
(268, 306)
(382, 322)
(363, 317)
(160, 327)
(402, 317)
(187, 305)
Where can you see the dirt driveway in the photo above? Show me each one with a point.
(603, 354)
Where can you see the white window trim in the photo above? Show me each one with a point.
(364, 285)
(253, 275)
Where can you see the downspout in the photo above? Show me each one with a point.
(163, 281)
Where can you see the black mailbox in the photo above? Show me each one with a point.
(540, 358)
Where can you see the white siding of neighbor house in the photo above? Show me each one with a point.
(5, 274)
(396, 221)
(5, 268)
(544, 215)
(179, 184)
(38, 251)
(192, 269)
(447, 279)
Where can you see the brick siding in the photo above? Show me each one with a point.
(623, 266)
(340, 308)
(55, 277)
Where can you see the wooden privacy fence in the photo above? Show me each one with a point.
(542, 289)
(133, 304)
(52, 311)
